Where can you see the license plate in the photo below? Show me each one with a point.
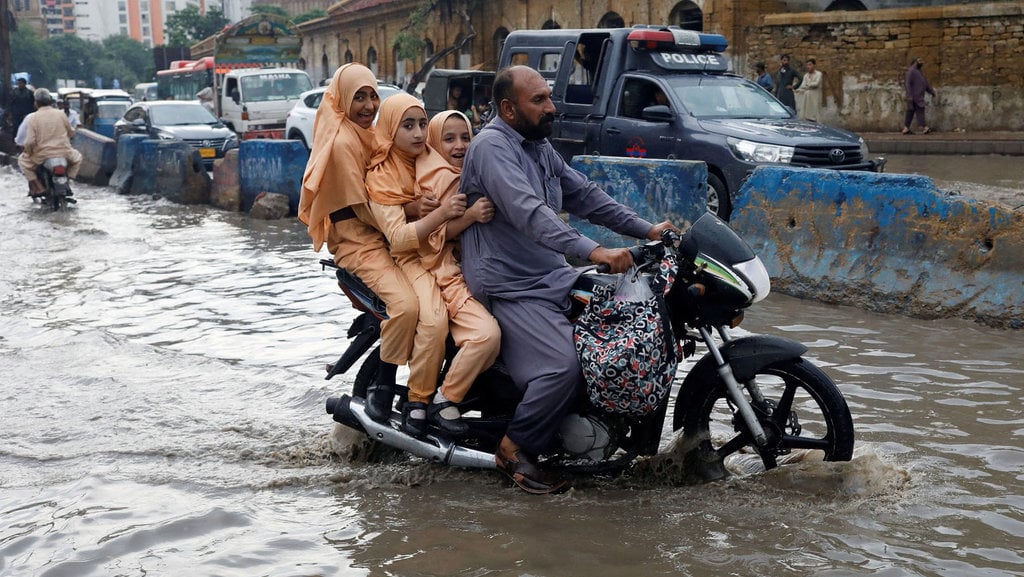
(207, 152)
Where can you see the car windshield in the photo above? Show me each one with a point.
(180, 114)
(274, 86)
(111, 109)
(726, 97)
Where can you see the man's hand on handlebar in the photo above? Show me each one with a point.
(615, 259)
(656, 230)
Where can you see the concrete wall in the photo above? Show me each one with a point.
(973, 55)
(99, 156)
(271, 166)
(885, 242)
(673, 190)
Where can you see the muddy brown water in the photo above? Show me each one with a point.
(162, 397)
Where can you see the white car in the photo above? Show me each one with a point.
(299, 124)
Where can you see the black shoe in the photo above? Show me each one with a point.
(452, 427)
(378, 402)
(416, 427)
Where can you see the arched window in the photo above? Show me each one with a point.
(399, 66)
(611, 20)
(348, 56)
(325, 66)
(851, 5)
(465, 53)
(687, 16)
(551, 25)
(371, 60)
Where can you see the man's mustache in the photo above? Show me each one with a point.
(547, 119)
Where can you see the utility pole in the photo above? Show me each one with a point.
(5, 53)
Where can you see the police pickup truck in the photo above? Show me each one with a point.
(664, 92)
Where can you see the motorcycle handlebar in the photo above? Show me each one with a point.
(639, 254)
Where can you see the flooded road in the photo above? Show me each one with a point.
(163, 415)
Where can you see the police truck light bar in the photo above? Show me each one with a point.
(674, 38)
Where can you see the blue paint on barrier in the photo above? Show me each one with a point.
(674, 190)
(268, 165)
(886, 242)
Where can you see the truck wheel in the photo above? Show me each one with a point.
(718, 198)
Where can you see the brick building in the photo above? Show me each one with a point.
(973, 51)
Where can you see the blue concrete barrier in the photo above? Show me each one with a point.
(171, 169)
(673, 190)
(885, 242)
(127, 150)
(99, 156)
(271, 166)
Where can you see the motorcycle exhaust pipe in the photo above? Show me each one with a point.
(351, 412)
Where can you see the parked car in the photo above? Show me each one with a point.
(179, 120)
(299, 125)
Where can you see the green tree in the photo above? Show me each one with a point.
(30, 54)
(186, 27)
(270, 10)
(74, 57)
(409, 41)
(136, 57)
(311, 15)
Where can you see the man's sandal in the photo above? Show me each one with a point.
(528, 476)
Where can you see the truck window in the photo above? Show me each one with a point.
(637, 94)
(549, 62)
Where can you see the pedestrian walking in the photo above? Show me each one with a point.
(915, 87)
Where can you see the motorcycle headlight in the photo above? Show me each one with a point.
(759, 152)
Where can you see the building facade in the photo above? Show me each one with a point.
(974, 51)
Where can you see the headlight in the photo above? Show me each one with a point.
(760, 152)
(166, 136)
(231, 142)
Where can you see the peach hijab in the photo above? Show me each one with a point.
(437, 177)
(392, 176)
(335, 172)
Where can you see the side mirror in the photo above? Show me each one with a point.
(658, 113)
(139, 124)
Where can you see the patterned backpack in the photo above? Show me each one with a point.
(625, 343)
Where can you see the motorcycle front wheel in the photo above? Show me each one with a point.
(800, 408)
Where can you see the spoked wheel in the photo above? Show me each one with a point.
(801, 409)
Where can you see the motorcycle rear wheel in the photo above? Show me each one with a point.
(803, 409)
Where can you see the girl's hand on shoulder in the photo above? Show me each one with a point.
(482, 211)
(455, 206)
(421, 207)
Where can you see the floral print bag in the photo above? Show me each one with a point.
(626, 348)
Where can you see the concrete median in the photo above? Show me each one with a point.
(99, 156)
(171, 169)
(885, 242)
(271, 166)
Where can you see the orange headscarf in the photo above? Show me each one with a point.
(392, 176)
(438, 177)
(335, 173)
(434, 174)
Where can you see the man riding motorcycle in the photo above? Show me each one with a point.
(47, 135)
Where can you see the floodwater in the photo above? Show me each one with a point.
(987, 176)
(162, 414)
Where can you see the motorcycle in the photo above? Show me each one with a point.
(53, 174)
(748, 393)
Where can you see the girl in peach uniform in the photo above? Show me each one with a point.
(333, 205)
(474, 330)
(416, 246)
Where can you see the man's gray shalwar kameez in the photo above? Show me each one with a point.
(516, 265)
